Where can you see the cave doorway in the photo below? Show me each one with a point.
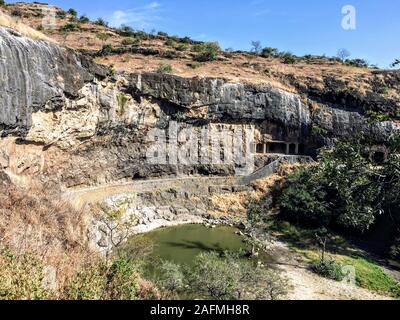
(260, 148)
(277, 147)
(292, 148)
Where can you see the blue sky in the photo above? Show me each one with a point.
(302, 27)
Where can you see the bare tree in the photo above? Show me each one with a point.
(343, 53)
(256, 47)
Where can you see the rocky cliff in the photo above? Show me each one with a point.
(67, 120)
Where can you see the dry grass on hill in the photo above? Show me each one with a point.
(9, 22)
(38, 222)
(236, 67)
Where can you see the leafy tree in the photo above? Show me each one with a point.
(347, 189)
(2, 3)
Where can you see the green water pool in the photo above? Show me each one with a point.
(181, 244)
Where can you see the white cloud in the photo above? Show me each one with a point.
(262, 12)
(256, 2)
(139, 18)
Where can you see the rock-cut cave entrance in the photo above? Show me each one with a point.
(280, 147)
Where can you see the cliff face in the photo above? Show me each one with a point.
(67, 120)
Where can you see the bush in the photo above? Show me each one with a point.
(269, 52)
(2, 3)
(72, 12)
(84, 19)
(125, 31)
(182, 47)
(207, 52)
(172, 278)
(164, 68)
(162, 34)
(101, 22)
(130, 41)
(288, 58)
(99, 281)
(329, 269)
(69, 27)
(359, 63)
(194, 65)
(230, 277)
(376, 117)
(21, 277)
(61, 14)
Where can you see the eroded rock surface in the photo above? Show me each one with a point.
(69, 121)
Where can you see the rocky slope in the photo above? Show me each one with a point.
(59, 111)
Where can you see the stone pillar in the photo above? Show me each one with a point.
(287, 148)
(265, 148)
(297, 148)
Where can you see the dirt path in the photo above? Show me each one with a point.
(305, 285)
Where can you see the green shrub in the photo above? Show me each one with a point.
(164, 68)
(169, 42)
(317, 130)
(72, 12)
(162, 34)
(230, 277)
(101, 22)
(99, 281)
(329, 269)
(84, 19)
(208, 52)
(376, 117)
(194, 65)
(269, 52)
(21, 277)
(122, 100)
(171, 278)
(61, 14)
(106, 50)
(182, 47)
(2, 3)
(359, 63)
(130, 41)
(288, 58)
(170, 54)
(69, 27)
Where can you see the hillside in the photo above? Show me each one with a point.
(106, 133)
(136, 51)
